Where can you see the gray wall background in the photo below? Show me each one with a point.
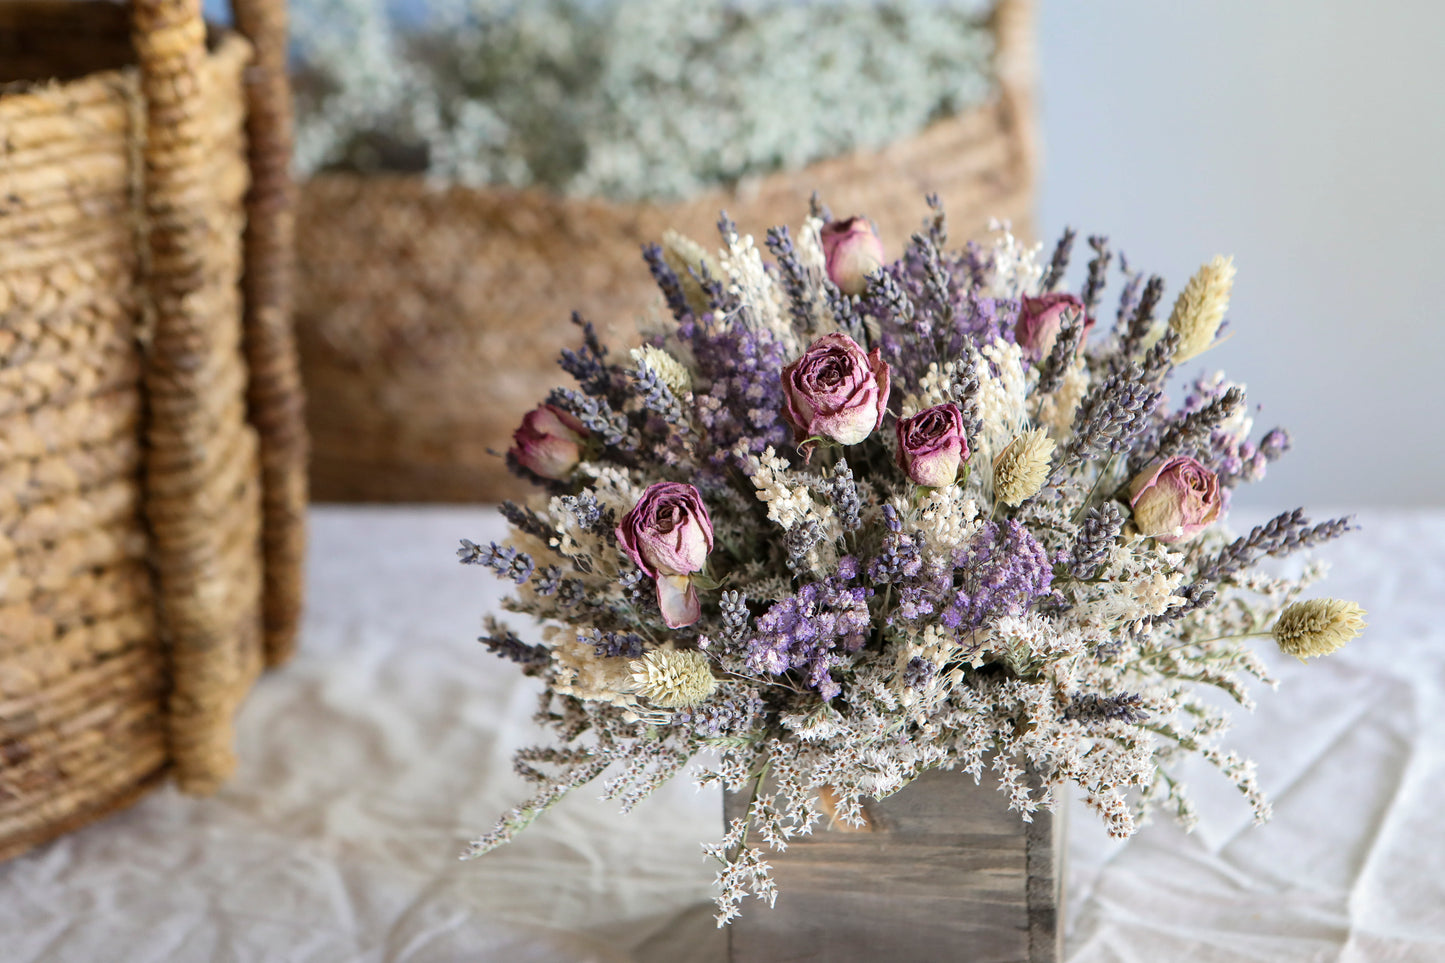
(1306, 138)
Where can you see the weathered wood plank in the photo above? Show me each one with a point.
(945, 872)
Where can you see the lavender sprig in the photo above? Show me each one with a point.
(794, 277)
(1059, 263)
(1096, 537)
(1098, 272)
(504, 643)
(667, 281)
(1282, 535)
(505, 561)
(1110, 416)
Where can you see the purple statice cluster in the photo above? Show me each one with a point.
(1003, 571)
(814, 630)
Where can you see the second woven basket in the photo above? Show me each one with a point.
(152, 449)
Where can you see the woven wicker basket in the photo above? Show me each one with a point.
(428, 321)
(151, 441)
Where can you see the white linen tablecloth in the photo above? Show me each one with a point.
(368, 761)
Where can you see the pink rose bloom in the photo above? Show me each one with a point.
(1174, 499)
(668, 534)
(931, 445)
(853, 251)
(835, 391)
(549, 442)
(1041, 318)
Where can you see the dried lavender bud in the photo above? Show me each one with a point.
(794, 278)
(1059, 263)
(1190, 435)
(798, 541)
(636, 586)
(587, 364)
(589, 513)
(847, 503)
(736, 618)
(528, 521)
(1110, 415)
(548, 580)
(938, 223)
(1061, 356)
(596, 415)
(505, 561)
(571, 593)
(1096, 537)
(935, 278)
(816, 208)
(1285, 533)
(1129, 297)
(1159, 360)
(888, 297)
(727, 228)
(667, 281)
(504, 643)
(1094, 709)
(919, 672)
(1098, 272)
(657, 396)
(1274, 444)
(616, 645)
(1143, 320)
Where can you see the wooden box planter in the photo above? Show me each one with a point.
(429, 320)
(152, 453)
(944, 871)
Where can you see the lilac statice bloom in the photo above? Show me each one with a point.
(1003, 571)
(814, 630)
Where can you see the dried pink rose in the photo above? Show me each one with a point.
(549, 442)
(835, 391)
(1041, 318)
(853, 251)
(1174, 499)
(668, 533)
(931, 445)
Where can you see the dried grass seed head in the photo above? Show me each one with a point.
(1021, 469)
(1199, 309)
(1318, 627)
(673, 679)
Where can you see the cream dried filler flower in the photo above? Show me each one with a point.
(1318, 627)
(1021, 469)
(738, 559)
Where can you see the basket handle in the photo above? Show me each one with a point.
(169, 37)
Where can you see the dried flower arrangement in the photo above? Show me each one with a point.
(839, 521)
(604, 98)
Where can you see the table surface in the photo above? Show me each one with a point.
(370, 759)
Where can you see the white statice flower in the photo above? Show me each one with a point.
(788, 504)
(946, 518)
(1001, 398)
(1016, 267)
(937, 386)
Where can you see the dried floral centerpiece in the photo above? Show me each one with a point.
(839, 521)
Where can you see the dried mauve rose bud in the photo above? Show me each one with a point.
(931, 445)
(549, 442)
(1174, 499)
(668, 533)
(853, 251)
(836, 391)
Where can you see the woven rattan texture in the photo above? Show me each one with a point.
(429, 320)
(130, 476)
